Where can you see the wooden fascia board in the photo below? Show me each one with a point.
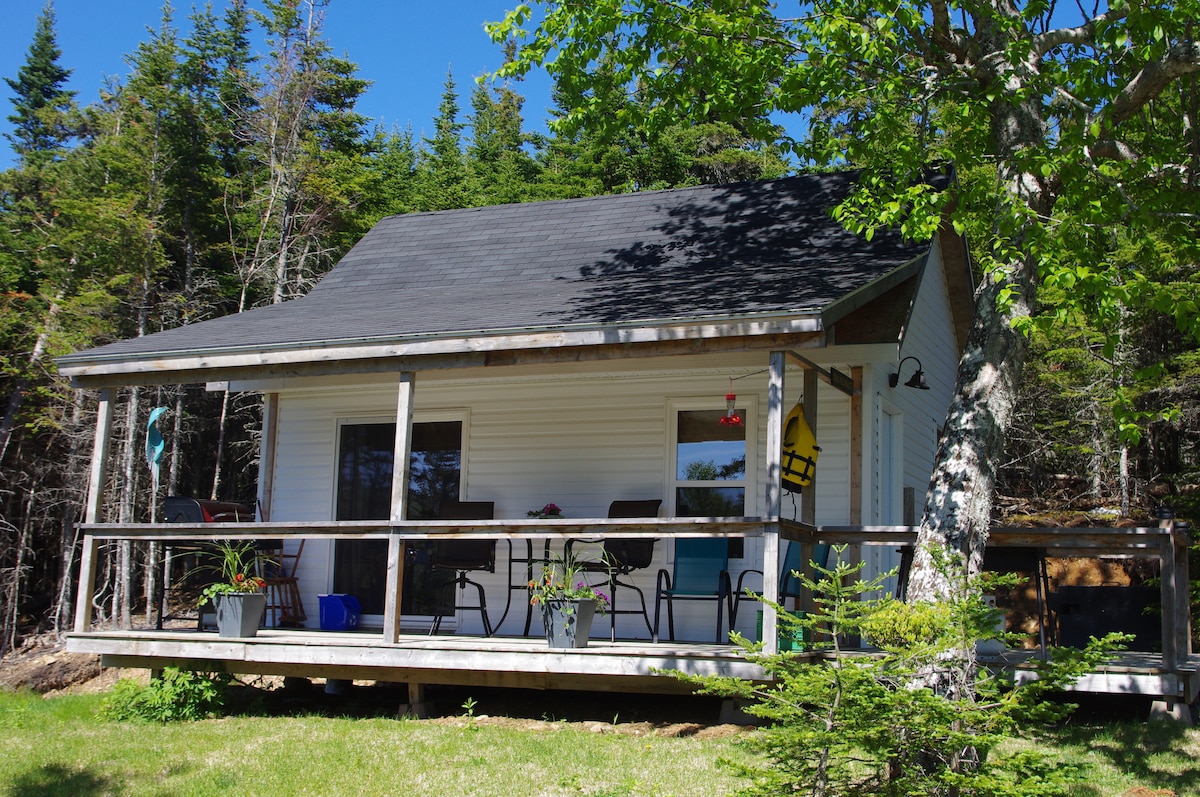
(868, 293)
(960, 282)
(442, 353)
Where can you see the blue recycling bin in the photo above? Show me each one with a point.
(339, 612)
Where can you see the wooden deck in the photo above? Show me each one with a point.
(387, 654)
(1127, 673)
(633, 666)
(527, 663)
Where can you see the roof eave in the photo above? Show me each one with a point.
(420, 352)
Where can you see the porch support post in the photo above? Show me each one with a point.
(774, 498)
(95, 502)
(808, 496)
(856, 447)
(266, 456)
(854, 551)
(775, 385)
(1175, 635)
(396, 544)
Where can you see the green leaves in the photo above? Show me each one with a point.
(174, 696)
(842, 724)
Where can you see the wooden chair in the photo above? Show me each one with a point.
(277, 567)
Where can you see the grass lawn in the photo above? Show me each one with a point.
(60, 746)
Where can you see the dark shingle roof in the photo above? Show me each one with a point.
(695, 253)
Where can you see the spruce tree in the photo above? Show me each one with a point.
(41, 104)
(446, 182)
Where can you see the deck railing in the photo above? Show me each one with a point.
(1168, 543)
(397, 535)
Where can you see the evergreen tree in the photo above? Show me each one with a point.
(42, 106)
(588, 158)
(391, 176)
(504, 170)
(445, 179)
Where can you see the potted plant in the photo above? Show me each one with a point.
(548, 511)
(568, 602)
(237, 596)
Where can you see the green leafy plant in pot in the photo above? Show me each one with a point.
(237, 595)
(568, 602)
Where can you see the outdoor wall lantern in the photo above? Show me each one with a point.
(917, 380)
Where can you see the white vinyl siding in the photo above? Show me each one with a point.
(580, 441)
(584, 434)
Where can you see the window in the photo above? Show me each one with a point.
(710, 465)
(364, 492)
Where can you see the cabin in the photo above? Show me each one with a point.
(638, 361)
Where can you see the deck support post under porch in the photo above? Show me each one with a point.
(416, 707)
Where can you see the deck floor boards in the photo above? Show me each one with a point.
(527, 662)
(521, 662)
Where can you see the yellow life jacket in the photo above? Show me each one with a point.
(800, 449)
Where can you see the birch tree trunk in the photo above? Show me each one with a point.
(216, 485)
(958, 503)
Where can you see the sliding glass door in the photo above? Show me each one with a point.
(364, 489)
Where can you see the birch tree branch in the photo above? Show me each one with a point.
(1181, 59)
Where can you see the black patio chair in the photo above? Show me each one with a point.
(620, 556)
(463, 557)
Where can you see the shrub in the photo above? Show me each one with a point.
(174, 695)
(918, 716)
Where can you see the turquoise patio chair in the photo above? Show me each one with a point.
(700, 573)
(789, 583)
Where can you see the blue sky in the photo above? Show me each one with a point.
(404, 46)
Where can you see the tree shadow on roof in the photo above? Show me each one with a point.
(757, 247)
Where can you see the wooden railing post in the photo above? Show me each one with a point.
(1183, 598)
(1168, 586)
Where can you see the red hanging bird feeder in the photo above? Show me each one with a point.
(731, 417)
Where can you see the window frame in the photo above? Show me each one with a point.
(749, 406)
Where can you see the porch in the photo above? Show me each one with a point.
(1170, 673)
